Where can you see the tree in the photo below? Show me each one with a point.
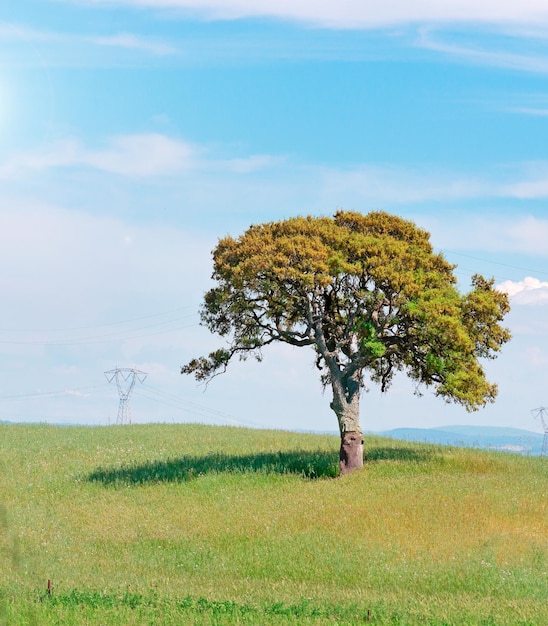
(371, 297)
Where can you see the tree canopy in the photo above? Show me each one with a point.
(368, 293)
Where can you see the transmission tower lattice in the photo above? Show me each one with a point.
(542, 414)
(125, 378)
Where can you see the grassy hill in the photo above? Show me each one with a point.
(191, 524)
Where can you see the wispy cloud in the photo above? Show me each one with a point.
(146, 155)
(493, 232)
(396, 184)
(19, 32)
(134, 42)
(478, 53)
(141, 155)
(530, 104)
(155, 156)
(536, 112)
(532, 233)
(249, 164)
(356, 13)
(12, 32)
(484, 24)
(528, 189)
(530, 184)
(76, 393)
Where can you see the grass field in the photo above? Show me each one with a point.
(191, 524)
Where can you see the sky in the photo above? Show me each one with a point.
(135, 133)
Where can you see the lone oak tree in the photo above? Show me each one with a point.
(369, 294)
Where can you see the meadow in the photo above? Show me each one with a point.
(190, 524)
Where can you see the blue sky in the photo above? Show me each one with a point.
(137, 132)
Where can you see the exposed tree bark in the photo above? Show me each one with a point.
(346, 405)
(351, 452)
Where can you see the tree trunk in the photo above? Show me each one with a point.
(346, 404)
(351, 453)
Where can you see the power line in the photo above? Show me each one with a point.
(104, 338)
(50, 394)
(146, 391)
(106, 325)
(191, 407)
(515, 267)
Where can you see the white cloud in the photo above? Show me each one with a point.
(480, 55)
(356, 13)
(18, 32)
(76, 393)
(131, 41)
(252, 163)
(395, 184)
(522, 234)
(530, 104)
(140, 155)
(536, 356)
(149, 158)
(531, 235)
(144, 155)
(522, 22)
(134, 42)
(535, 112)
(58, 154)
(531, 186)
(529, 291)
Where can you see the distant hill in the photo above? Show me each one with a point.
(513, 440)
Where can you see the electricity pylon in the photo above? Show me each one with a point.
(125, 378)
(542, 414)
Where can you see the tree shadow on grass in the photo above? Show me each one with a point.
(308, 464)
(305, 463)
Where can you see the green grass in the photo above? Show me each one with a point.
(190, 524)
